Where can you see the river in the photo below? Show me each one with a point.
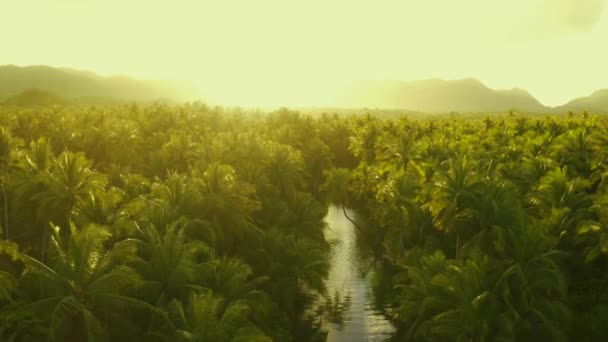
(359, 320)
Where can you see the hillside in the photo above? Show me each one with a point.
(87, 86)
(596, 102)
(467, 95)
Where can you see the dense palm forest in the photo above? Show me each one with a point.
(192, 223)
(160, 223)
(489, 229)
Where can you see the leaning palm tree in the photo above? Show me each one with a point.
(83, 287)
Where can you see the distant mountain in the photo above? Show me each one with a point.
(467, 95)
(596, 102)
(35, 97)
(44, 85)
(88, 87)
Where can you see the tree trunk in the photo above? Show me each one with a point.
(350, 219)
(401, 247)
(457, 245)
(5, 212)
(43, 247)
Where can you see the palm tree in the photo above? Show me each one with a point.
(168, 261)
(416, 299)
(228, 202)
(401, 151)
(560, 200)
(69, 182)
(363, 140)
(285, 168)
(576, 152)
(234, 280)
(100, 207)
(521, 125)
(7, 281)
(208, 317)
(336, 186)
(171, 194)
(533, 287)
(83, 286)
(494, 215)
(317, 157)
(294, 265)
(29, 180)
(466, 314)
(5, 161)
(453, 198)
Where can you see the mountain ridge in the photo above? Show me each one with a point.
(432, 95)
(436, 95)
(80, 84)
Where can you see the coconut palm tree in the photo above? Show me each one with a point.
(454, 197)
(208, 317)
(83, 287)
(285, 168)
(576, 152)
(168, 261)
(560, 200)
(234, 280)
(69, 181)
(336, 186)
(32, 171)
(5, 161)
(228, 202)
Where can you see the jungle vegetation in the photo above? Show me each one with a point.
(172, 223)
(486, 229)
(194, 223)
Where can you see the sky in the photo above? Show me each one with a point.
(265, 52)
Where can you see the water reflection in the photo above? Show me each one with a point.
(349, 309)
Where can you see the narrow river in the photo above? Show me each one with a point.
(360, 321)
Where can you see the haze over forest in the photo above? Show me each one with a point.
(426, 96)
(303, 170)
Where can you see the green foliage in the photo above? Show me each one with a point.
(158, 223)
(489, 229)
(202, 224)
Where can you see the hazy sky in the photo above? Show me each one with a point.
(256, 52)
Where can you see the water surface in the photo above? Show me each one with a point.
(359, 320)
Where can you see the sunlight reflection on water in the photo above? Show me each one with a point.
(361, 321)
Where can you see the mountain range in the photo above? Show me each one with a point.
(435, 95)
(87, 87)
(430, 96)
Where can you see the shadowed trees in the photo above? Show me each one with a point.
(176, 222)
